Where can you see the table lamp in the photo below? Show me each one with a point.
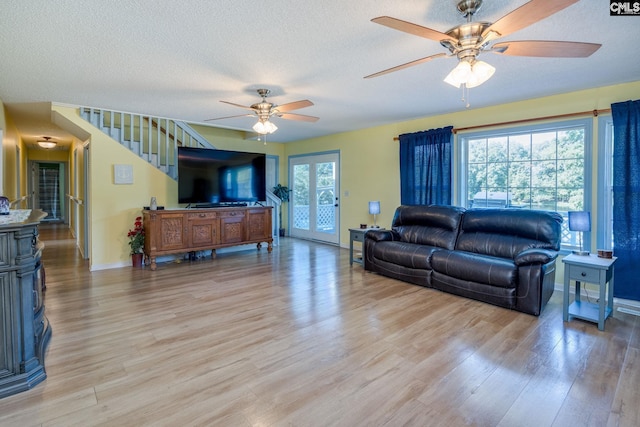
(580, 222)
(374, 209)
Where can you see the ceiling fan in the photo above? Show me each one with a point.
(264, 110)
(469, 40)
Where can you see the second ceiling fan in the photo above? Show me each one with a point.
(468, 40)
(264, 110)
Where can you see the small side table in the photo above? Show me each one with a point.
(591, 269)
(357, 235)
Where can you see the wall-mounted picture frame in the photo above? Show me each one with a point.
(122, 174)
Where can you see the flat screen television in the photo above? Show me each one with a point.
(219, 177)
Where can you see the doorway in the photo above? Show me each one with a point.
(48, 186)
(314, 205)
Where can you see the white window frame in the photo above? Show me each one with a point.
(604, 206)
(460, 159)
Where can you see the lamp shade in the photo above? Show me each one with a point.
(579, 221)
(459, 74)
(374, 208)
(481, 72)
(264, 127)
(471, 74)
(47, 143)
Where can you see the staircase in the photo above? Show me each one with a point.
(154, 139)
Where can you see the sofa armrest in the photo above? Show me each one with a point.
(382, 235)
(535, 256)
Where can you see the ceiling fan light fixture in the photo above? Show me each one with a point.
(480, 73)
(264, 127)
(470, 74)
(459, 75)
(46, 143)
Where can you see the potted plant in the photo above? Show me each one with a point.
(282, 193)
(136, 242)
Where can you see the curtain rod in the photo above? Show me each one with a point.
(595, 113)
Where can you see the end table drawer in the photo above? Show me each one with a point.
(584, 274)
(358, 237)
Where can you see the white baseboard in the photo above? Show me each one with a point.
(99, 267)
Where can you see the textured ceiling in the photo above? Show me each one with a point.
(179, 59)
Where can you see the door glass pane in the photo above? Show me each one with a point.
(325, 197)
(301, 196)
(49, 188)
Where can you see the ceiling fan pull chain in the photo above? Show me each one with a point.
(465, 93)
(468, 96)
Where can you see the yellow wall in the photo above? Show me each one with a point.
(369, 164)
(10, 139)
(3, 125)
(369, 158)
(113, 208)
(48, 155)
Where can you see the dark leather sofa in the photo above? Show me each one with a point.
(504, 257)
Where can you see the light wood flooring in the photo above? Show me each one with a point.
(300, 338)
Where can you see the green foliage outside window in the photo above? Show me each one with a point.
(543, 170)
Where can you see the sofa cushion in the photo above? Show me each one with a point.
(432, 225)
(505, 233)
(503, 297)
(405, 254)
(476, 268)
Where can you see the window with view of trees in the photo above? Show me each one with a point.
(542, 168)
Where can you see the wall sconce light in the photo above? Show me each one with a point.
(374, 209)
(580, 222)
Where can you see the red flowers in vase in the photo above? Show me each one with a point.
(136, 237)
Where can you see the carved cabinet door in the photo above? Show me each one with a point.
(258, 224)
(170, 232)
(203, 229)
(232, 227)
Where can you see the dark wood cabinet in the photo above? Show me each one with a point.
(24, 329)
(186, 230)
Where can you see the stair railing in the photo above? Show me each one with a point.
(155, 139)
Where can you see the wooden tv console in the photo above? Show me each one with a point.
(186, 230)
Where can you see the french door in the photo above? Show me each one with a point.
(314, 208)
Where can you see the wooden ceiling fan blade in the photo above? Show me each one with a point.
(230, 117)
(525, 15)
(299, 117)
(407, 65)
(543, 48)
(290, 106)
(415, 29)
(238, 105)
